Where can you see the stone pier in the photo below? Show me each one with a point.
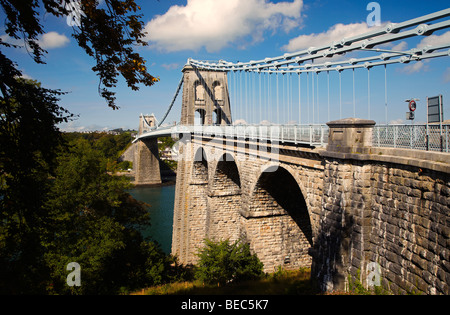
(146, 160)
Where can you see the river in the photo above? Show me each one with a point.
(161, 200)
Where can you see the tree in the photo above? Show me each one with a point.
(94, 222)
(223, 262)
(29, 142)
(107, 34)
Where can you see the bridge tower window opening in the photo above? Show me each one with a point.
(217, 117)
(200, 115)
(199, 92)
(218, 91)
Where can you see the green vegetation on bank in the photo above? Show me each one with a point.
(60, 203)
(230, 268)
(282, 282)
(110, 146)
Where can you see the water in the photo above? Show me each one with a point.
(161, 200)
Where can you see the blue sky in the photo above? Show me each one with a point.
(215, 29)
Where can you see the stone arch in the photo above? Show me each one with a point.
(226, 176)
(198, 206)
(279, 226)
(200, 166)
(225, 200)
(273, 167)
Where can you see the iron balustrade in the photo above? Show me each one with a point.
(312, 135)
(425, 137)
(418, 137)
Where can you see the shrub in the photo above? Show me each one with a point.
(222, 262)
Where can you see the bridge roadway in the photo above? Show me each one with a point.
(430, 137)
(311, 135)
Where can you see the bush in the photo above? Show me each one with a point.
(222, 262)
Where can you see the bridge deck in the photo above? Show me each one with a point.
(417, 137)
(312, 135)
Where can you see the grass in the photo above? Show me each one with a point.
(281, 282)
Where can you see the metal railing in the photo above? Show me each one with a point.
(417, 137)
(312, 135)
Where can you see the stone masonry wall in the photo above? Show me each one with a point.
(387, 209)
(356, 209)
(395, 216)
(410, 228)
(223, 199)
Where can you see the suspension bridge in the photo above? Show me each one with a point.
(280, 97)
(338, 198)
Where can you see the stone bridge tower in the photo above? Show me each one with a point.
(205, 98)
(146, 160)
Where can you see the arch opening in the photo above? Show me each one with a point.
(200, 167)
(281, 230)
(199, 119)
(218, 93)
(225, 201)
(227, 175)
(197, 209)
(217, 117)
(199, 92)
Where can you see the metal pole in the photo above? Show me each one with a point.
(447, 134)
(278, 103)
(299, 100)
(354, 98)
(368, 92)
(427, 136)
(269, 87)
(441, 108)
(260, 100)
(340, 95)
(291, 110)
(385, 95)
(328, 75)
(318, 109)
(307, 95)
(313, 99)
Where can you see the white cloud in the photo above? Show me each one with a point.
(397, 122)
(53, 40)
(432, 40)
(402, 46)
(447, 75)
(12, 41)
(170, 66)
(415, 67)
(435, 40)
(49, 40)
(335, 33)
(73, 126)
(240, 122)
(214, 24)
(26, 76)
